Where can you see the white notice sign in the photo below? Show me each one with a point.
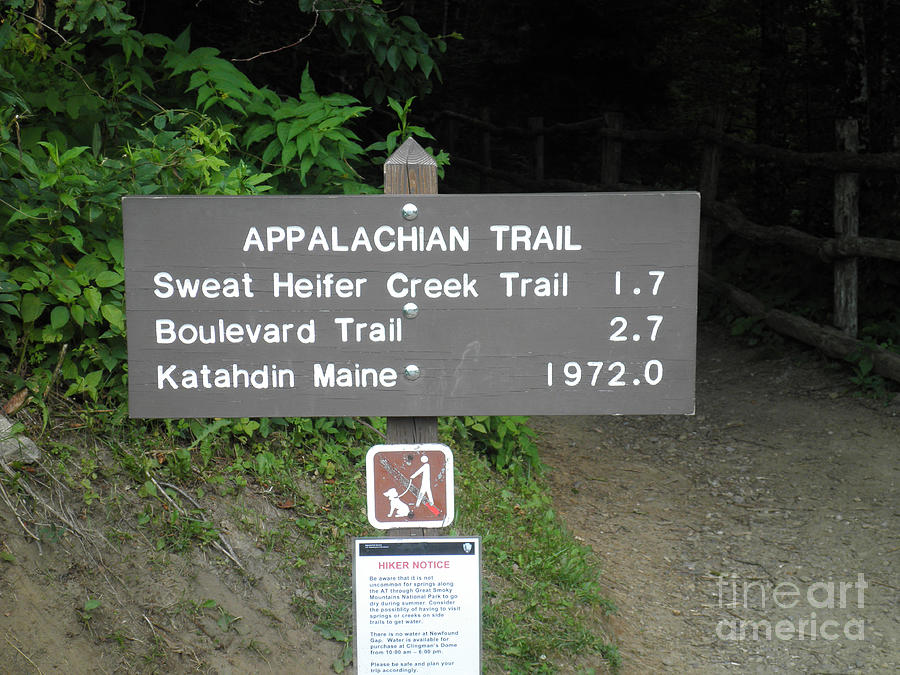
(418, 605)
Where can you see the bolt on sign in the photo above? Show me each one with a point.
(409, 486)
(411, 305)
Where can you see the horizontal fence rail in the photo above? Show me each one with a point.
(826, 161)
(841, 250)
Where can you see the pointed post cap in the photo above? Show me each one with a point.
(410, 171)
(410, 152)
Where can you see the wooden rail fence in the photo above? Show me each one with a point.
(843, 250)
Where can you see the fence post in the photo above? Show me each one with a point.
(846, 225)
(410, 171)
(611, 157)
(485, 148)
(709, 183)
(536, 124)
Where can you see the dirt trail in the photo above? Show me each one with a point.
(761, 535)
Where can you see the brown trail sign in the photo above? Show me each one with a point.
(409, 485)
(411, 305)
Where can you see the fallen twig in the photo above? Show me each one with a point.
(16, 513)
(24, 655)
(68, 521)
(59, 361)
(224, 547)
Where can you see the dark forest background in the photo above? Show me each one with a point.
(778, 73)
(102, 98)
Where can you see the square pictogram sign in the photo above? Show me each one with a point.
(409, 485)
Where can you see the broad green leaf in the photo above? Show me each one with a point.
(69, 201)
(411, 58)
(288, 152)
(49, 334)
(114, 315)
(65, 288)
(283, 132)
(74, 235)
(271, 151)
(108, 278)
(303, 142)
(198, 78)
(116, 250)
(72, 153)
(306, 83)
(305, 165)
(395, 105)
(410, 23)
(93, 297)
(183, 41)
(258, 132)
(49, 180)
(31, 307)
(59, 317)
(426, 63)
(77, 312)
(393, 57)
(92, 379)
(348, 30)
(89, 267)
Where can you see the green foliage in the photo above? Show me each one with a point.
(542, 597)
(403, 56)
(92, 110)
(862, 362)
(506, 441)
(91, 605)
(406, 130)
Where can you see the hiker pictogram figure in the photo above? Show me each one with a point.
(425, 488)
(409, 485)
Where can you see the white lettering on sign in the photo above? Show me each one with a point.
(385, 239)
(168, 332)
(323, 286)
(209, 288)
(358, 376)
(494, 303)
(375, 331)
(399, 285)
(540, 287)
(235, 377)
(528, 238)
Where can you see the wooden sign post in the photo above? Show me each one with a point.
(411, 171)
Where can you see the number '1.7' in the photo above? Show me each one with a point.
(574, 373)
(655, 275)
